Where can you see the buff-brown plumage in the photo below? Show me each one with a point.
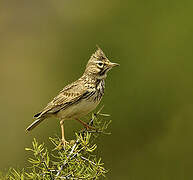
(80, 97)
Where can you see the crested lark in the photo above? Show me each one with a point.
(80, 97)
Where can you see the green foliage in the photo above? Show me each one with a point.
(76, 161)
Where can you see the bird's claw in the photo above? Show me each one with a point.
(61, 145)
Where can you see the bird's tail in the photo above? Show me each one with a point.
(35, 123)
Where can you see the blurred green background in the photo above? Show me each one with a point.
(45, 44)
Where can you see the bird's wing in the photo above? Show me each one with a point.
(69, 95)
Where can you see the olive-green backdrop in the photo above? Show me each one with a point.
(45, 44)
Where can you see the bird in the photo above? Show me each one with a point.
(80, 97)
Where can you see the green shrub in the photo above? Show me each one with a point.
(76, 161)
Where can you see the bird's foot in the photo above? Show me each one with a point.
(89, 127)
(62, 144)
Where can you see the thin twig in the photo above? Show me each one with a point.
(88, 160)
(47, 168)
(66, 160)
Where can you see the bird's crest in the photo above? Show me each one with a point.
(99, 53)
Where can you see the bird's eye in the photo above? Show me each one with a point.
(100, 64)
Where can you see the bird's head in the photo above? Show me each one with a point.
(98, 65)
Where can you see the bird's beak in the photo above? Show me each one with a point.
(113, 64)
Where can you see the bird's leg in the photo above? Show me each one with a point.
(84, 124)
(64, 142)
